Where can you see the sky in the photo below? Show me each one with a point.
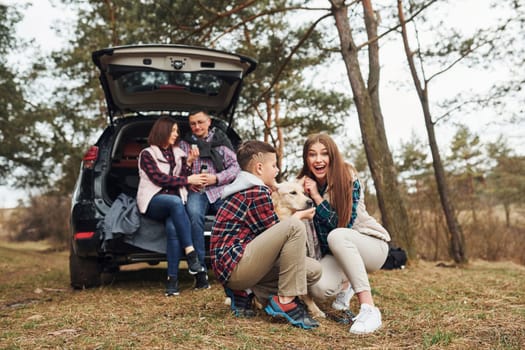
(401, 109)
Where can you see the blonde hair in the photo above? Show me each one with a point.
(339, 178)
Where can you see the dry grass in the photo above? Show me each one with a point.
(481, 306)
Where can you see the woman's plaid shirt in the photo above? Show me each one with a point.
(242, 217)
(326, 219)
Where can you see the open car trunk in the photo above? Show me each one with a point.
(131, 139)
(122, 177)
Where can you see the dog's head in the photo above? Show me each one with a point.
(290, 197)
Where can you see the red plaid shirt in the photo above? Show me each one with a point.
(242, 217)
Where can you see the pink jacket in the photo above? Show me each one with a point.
(148, 189)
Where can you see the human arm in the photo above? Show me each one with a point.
(162, 179)
(230, 171)
(261, 215)
(192, 155)
(328, 216)
(191, 152)
(324, 212)
(310, 187)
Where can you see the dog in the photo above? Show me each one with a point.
(289, 197)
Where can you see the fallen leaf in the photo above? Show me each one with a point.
(63, 331)
(35, 318)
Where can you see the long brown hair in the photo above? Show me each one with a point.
(160, 132)
(339, 178)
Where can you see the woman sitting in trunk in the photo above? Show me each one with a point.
(164, 173)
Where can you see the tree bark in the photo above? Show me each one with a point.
(393, 212)
(456, 239)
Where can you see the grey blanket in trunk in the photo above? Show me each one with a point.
(124, 220)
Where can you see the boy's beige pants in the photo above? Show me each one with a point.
(275, 262)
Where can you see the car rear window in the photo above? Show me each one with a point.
(194, 82)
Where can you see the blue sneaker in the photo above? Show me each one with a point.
(241, 302)
(295, 312)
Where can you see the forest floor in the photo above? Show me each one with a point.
(424, 306)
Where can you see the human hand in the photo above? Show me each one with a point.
(306, 214)
(310, 186)
(211, 179)
(198, 179)
(194, 188)
(193, 154)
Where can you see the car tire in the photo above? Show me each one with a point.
(83, 272)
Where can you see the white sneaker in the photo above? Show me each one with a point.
(367, 321)
(342, 300)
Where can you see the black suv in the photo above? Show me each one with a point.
(142, 83)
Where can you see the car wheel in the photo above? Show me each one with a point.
(83, 272)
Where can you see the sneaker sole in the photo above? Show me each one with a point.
(340, 307)
(192, 272)
(361, 333)
(202, 288)
(171, 294)
(229, 294)
(270, 311)
(237, 312)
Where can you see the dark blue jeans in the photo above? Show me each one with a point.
(170, 209)
(197, 206)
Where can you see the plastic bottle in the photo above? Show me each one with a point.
(204, 170)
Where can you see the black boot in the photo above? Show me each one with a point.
(172, 287)
(201, 281)
(194, 265)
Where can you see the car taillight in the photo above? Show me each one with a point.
(90, 157)
(84, 235)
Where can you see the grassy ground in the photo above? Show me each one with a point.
(424, 306)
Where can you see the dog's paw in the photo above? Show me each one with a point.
(313, 309)
(257, 303)
(318, 314)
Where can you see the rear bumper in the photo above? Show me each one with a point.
(88, 238)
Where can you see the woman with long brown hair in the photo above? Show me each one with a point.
(352, 242)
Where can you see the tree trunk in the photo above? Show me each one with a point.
(393, 212)
(471, 196)
(506, 207)
(456, 239)
(277, 118)
(272, 122)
